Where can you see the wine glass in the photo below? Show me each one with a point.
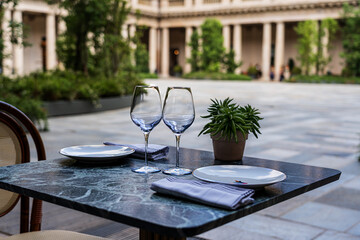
(178, 115)
(146, 113)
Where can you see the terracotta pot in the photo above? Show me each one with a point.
(229, 150)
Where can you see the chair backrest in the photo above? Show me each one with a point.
(14, 149)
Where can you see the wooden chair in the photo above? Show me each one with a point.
(14, 149)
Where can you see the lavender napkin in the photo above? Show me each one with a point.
(218, 195)
(155, 152)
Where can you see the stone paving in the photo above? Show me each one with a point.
(304, 123)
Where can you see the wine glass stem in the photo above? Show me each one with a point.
(177, 136)
(146, 136)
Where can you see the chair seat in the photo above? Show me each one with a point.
(53, 235)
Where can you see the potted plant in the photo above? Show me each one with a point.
(229, 127)
(177, 70)
(252, 72)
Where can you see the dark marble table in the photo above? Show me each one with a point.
(114, 192)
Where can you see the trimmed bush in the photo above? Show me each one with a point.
(216, 76)
(28, 92)
(148, 75)
(325, 79)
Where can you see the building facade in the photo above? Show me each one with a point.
(261, 32)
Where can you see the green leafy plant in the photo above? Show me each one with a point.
(311, 46)
(212, 45)
(194, 60)
(229, 62)
(325, 79)
(296, 71)
(227, 118)
(29, 92)
(252, 71)
(177, 69)
(351, 39)
(216, 76)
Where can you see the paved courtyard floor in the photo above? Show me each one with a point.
(304, 123)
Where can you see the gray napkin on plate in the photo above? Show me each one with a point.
(218, 195)
(155, 152)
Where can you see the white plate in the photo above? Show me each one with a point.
(240, 175)
(96, 153)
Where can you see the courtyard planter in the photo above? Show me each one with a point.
(61, 108)
(229, 150)
(229, 126)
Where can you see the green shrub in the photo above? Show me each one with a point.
(14, 94)
(296, 71)
(325, 79)
(216, 76)
(252, 71)
(212, 45)
(177, 69)
(28, 92)
(147, 75)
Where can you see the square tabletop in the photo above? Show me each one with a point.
(115, 192)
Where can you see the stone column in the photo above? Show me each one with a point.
(61, 30)
(7, 53)
(152, 49)
(198, 3)
(315, 50)
(237, 45)
(325, 48)
(188, 3)
(279, 50)
(132, 30)
(165, 52)
(226, 35)
(188, 33)
(164, 3)
(124, 31)
(50, 42)
(155, 4)
(225, 2)
(199, 31)
(61, 26)
(266, 51)
(18, 49)
(134, 3)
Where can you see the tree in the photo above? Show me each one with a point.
(351, 39)
(307, 42)
(229, 62)
(141, 52)
(328, 28)
(212, 45)
(114, 53)
(311, 46)
(93, 40)
(194, 60)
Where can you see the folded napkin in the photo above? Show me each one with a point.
(218, 195)
(155, 152)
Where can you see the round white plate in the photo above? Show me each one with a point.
(96, 153)
(240, 175)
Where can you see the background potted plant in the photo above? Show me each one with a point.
(229, 127)
(177, 70)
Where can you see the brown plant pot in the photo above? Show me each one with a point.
(229, 150)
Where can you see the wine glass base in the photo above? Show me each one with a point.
(146, 169)
(177, 171)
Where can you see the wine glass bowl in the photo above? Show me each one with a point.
(146, 113)
(178, 115)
